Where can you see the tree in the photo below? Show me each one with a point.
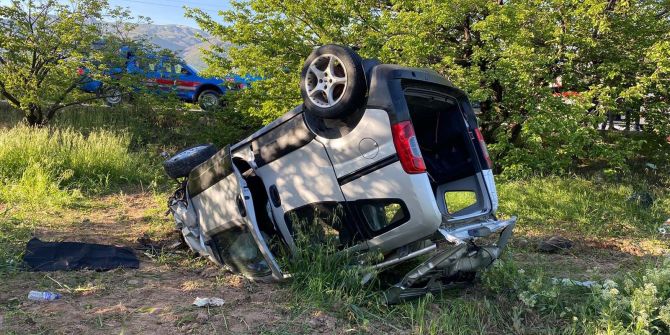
(44, 46)
(610, 54)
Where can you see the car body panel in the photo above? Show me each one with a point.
(225, 203)
(368, 143)
(413, 190)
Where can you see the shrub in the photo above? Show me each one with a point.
(637, 304)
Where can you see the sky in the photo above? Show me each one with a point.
(170, 11)
(165, 11)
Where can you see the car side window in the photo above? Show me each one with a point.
(239, 250)
(147, 67)
(320, 223)
(167, 68)
(180, 69)
(383, 214)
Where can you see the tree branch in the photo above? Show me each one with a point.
(55, 106)
(9, 97)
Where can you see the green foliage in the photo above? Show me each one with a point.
(636, 304)
(611, 55)
(38, 188)
(323, 274)
(44, 45)
(36, 164)
(13, 235)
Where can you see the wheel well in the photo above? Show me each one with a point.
(206, 87)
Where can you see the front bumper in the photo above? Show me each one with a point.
(462, 256)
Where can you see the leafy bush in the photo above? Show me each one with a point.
(640, 304)
(608, 57)
(637, 304)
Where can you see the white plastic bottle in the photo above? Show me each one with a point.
(43, 296)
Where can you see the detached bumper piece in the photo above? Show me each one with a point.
(443, 268)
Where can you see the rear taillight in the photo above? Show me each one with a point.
(482, 145)
(407, 147)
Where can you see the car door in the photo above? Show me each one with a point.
(187, 81)
(166, 80)
(225, 208)
(300, 181)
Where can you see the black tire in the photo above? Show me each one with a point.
(112, 95)
(347, 83)
(181, 164)
(209, 100)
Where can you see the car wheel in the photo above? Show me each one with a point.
(181, 164)
(332, 84)
(112, 95)
(209, 100)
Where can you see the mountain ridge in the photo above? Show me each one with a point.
(186, 42)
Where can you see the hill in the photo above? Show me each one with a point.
(183, 40)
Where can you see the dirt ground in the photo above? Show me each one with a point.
(157, 298)
(154, 299)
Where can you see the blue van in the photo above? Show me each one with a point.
(163, 74)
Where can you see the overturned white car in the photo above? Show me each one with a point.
(394, 153)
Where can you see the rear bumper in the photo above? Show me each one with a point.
(462, 256)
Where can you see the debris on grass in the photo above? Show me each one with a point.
(643, 199)
(664, 229)
(208, 302)
(43, 296)
(554, 244)
(171, 243)
(572, 282)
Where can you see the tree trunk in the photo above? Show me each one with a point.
(33, 115)
(628, 116)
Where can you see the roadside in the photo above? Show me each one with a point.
(159, 294)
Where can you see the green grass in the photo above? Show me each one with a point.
(153, 127)
(14, 233)
(585, 207)
(43, 170)
(47, 160)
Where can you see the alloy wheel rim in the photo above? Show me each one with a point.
(113, 96)
(326, 81)
(209, 100)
